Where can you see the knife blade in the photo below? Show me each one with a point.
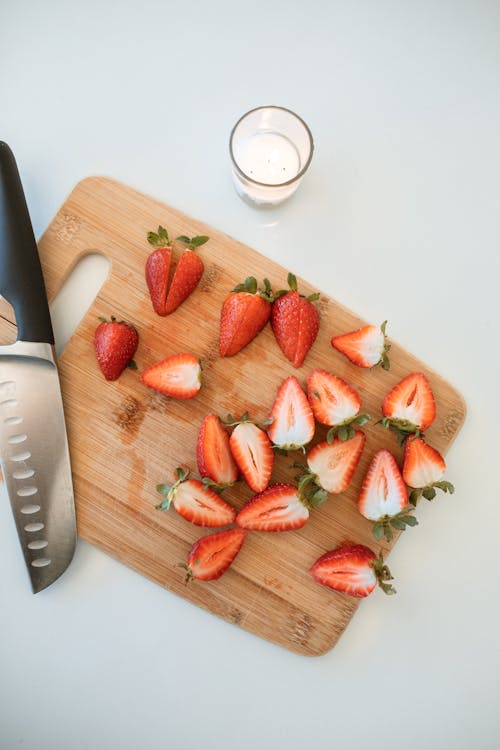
(34, 451)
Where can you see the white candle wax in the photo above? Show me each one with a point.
(269, 157)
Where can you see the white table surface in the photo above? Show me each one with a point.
(398, 218)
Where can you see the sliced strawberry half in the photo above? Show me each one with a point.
(279, 508)
(384, 497)
(212, 555)
(187, 273)
(178, 376)
(292, 423)
(335, 403)
(195, 502)
(409, 408)
(365, 347)
(213, 453)
(423, 470)
(332, 465)
(352, 569)
(253, 453)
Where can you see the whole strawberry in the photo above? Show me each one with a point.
(115, 343)
(244, 314)
(295, 322)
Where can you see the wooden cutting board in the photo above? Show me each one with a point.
(125, 438)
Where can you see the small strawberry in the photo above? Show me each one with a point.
(195, 502)
(244, 314)
(215, 460)
(365, 347)
(187, 274)
(212, 555)
(384, 497)
(335, 403)
(292, 420)
(409, 408)
(331, 466)
(352, 569)
(252, 451)
(423, 470)
(279, 508)
(295, 322)
(115, 343)
(158, 269)
(178, 376)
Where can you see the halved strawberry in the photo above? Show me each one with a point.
(409, 408)
(365, 347)
(244, 314)
(292, 423)
(178, 376)
(279, 508)
(212, 555)
(195, 502)
(187, 274)
(158, 269)
(215, 460)
(384, 497)
(332, 465)
(295, 322)
(423, 470)
(335, 403)
(253, 453)
(352, 569)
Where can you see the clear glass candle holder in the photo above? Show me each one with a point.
(271, 149)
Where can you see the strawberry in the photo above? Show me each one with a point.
(331, 466)
(158, 269)
(212, 555)
(384, 497)
(292, 420)
(409, 408)
(115, 343)
(365, 347)
(195, 502)
(252, 451)
(178, 376)
(295, 322)
(423, 470)
(335, 403)
(215, 460)
(187, 274)
(244, 314)
(279, 508)
(352, 569)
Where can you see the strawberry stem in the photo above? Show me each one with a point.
(403, 429)
(399, 521)
(384, 359)
(169, 490)
(383, 574)
(346, 430)
(193, 242)
(429, 491)
(217, 487)
(159, 239)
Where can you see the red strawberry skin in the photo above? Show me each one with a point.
(187, 275)
(212, 555)
(335, 463)
(383, 492)
(276, 509)
(178, 376)
(295, 323)
(347, 569)
(332, 399)
(115, 344)
(253, 453)
(202, 506)
(157, 276)
(213, 452)
(412, 400)
(243, 316)
(422, 464)
(293, 420)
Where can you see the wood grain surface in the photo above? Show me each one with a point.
(125, 438)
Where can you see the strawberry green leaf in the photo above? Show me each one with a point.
(163, 489)
(292, 282)
(409, 520)
(398, 523)
(378, 530)
(445, 486)
(184, 239)
(413, 497)
(199, 240)
(429, 493)
(132, 364)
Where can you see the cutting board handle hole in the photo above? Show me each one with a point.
(77, 294)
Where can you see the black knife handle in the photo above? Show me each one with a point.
(21, 279)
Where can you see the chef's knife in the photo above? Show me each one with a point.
(33, 444)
